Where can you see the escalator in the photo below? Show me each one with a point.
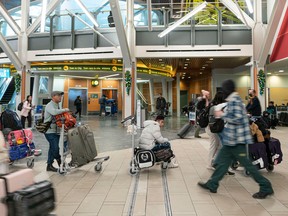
(7, 91)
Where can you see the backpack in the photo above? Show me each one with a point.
(10, 119)
(203, 117)
(20, 106)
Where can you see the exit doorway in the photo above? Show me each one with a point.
(72, 94)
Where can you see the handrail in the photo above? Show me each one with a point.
(142, 96)
(4, 87)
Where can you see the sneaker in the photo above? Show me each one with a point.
(210, 167)
(262, 195)
(173, 163)
(204, 186)
(230, 173)
(51, 168)
(197, 136)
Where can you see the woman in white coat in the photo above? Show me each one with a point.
(26, 111)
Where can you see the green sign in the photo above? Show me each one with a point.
(93, 95)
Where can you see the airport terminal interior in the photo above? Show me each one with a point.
(132, 51)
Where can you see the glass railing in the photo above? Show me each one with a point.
(60, 20)
(12, 103)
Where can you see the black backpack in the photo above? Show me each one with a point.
(10, 119)
(20, 106)
(203, 117)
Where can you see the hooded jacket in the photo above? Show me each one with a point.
(151, 134)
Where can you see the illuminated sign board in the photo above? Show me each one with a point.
(4, 72)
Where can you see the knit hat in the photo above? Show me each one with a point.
(228, 86)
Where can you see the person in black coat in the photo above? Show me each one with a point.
(78, 104)
(254, 106)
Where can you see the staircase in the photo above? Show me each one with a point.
(8, 93)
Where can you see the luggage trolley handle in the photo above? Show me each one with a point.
(132, 117)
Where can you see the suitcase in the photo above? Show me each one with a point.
(12, 182)
(185, 130)
(258, 155)
(17, 152)
(82, 145)
(274, 152)
(19, 137)
(10, 119)
(35, 200)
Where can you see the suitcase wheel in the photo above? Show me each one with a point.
(132, 171)
(270, 167)
(30, 163)
(164, 165)
(98, 167)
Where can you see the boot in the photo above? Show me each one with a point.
(51, 168)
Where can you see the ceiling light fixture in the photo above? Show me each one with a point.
(88, 14)
(211, 59)
(80, 77)
(183, 19)
(187, 59)
(249, 6)
(281, 71)
(268, 73)
(104, 77)
(185, 67)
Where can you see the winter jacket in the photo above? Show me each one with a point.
(26, 109)
(255, 131)
(150, 134)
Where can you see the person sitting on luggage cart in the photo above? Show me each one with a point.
(271, 109)
(52, 109)
(152, 139)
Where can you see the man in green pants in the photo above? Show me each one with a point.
(235, 135)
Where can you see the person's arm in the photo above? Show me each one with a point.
(234, 114)
(158, 136)
(25, 106)
(55, 111)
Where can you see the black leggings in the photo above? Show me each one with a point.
(23, 119)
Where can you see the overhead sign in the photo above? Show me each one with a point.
(4, 72)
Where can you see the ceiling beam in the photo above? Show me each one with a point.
(9, 19)
(240, 14)
(10, 53)
(50, 8)
(272, 30)
(115, 8)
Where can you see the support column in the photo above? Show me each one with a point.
(170, 97)
(178, 94)
(164, 88)
(151, 91)
(50, 84)
(35, 94)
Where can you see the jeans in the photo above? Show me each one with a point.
(53, 152)
(224, 158)
(102, 108)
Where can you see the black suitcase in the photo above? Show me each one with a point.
(258, 155)
(185, 130)
(35, 200)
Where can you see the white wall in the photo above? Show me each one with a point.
(277, 81)
(58, 84)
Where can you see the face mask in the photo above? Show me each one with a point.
(250, 95)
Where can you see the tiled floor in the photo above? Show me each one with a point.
(84, 192)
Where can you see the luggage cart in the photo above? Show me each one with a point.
(65, 150)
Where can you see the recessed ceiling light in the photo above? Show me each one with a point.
(184, 73)
(185, 67)
(187, 59)
(160, 59)
(200, 73)
(268, 73)
(44, 62)
(183, 77)
(281, 71)
(211, 59)
(189, 77)
(203, 67)
(71, 61)
(185, 64)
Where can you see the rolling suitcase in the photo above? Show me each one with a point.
(12, 182)
(258, 155)
(35, 200)
(274, 152)
(185, 130)
(82, 145)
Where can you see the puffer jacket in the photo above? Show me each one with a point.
(255, 131)
(150, 134)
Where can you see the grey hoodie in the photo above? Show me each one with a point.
(150, 134)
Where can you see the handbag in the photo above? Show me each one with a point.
(217, 125)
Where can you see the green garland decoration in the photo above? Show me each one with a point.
(261, 80)
(128, 81)
(17, 83)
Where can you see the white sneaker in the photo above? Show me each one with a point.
(173, 163)
(210, 167)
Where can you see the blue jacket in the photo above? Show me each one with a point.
(236, 130)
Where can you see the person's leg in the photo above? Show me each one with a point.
(197, 130)
(80, 113)
(29, 118)
(241, 156)
(23, 118)
(53, 153)
(224, 159)
(214, 146)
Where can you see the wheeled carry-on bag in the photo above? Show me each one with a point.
(82, 144)
(35, 200)
(185, 130)
(12, 182)
(274, 151)
(258, 155)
